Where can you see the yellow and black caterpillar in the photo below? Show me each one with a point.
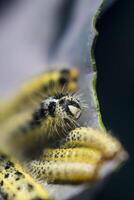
(47, 138)
(54, 118)
(39, 87)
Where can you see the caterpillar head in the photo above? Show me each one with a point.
(64, 106)
(63, 111)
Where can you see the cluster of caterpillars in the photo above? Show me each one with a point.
(40, 115)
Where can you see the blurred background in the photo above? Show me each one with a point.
(113, 53)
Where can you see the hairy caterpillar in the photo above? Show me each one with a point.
(54, 118)
(37, 88)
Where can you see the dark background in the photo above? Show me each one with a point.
(115, 87)
(114, 55)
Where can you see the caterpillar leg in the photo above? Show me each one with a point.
(85, 156)
(16, 184)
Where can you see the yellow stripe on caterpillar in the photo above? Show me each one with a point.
(63, 171)
(82, 154)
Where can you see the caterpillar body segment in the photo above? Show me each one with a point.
(16, 184)
(108, 145)
(84, 155)
(73, 165)
(58, 171)
(42, 86)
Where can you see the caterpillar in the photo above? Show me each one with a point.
(85, 155)
(54, 118)
(39, 87)
(16, 184)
